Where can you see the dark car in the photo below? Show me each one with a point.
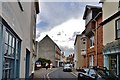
(37, 65)
(96, 74)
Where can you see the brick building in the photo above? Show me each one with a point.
(94, 35)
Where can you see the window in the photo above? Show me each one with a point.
(91, 63)
(11, 54)
(83, 42)
(118, 28)
(92, 72)
(91, 41)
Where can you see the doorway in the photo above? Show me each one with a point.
(27, 64)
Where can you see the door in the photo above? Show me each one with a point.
(119, 65)
(27, 63)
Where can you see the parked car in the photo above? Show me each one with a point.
(37, 65)
(96, 73)
(67, 67)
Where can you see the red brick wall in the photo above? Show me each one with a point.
(92, 51)
(100, 43)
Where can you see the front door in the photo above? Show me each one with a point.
(27, 63)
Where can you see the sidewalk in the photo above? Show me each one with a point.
(42, 73)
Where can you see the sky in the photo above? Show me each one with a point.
(62, 21)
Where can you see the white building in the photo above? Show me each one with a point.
(17, 38)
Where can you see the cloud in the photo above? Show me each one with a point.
(55, 13)
(61, 21)
(67, 50)
(64, 34)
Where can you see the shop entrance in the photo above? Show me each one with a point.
(113, 63)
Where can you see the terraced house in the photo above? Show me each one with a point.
(17, 39)
(111, 34)
(94, 36)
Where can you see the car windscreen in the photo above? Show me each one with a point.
(67, 65)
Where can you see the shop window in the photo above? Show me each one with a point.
(118, 28)
(10, 55)
(113, 63)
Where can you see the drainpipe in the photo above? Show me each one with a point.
(96, 36)
(96, 44)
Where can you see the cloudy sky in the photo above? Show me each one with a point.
(62, 21)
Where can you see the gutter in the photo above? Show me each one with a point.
(110, 18)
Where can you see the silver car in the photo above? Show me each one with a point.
(67, 67)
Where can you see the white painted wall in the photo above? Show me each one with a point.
(20, 22)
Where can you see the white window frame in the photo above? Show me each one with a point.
(91, 41)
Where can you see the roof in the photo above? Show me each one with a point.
(110, 18)
(76, 38)
(89, 7)
(51, 40)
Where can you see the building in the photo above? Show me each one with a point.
(17, 37)
(62, 59)
(111, 34)
(48, 49)
(94, 35)
(77, 52)
(83, 49)
(70, 59)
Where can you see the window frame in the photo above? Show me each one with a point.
(12, 64)
(116, 30)
(91, 46)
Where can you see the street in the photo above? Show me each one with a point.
(54, 74)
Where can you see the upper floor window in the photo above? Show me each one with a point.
(91, 41)
(118, 28)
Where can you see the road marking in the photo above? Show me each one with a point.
(50, 72)
(74, 74)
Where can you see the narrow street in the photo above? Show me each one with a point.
(54, 74)
(60, 75)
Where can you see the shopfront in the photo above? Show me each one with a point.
(112, 56)
(9, 52)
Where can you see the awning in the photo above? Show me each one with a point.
(113, 47)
